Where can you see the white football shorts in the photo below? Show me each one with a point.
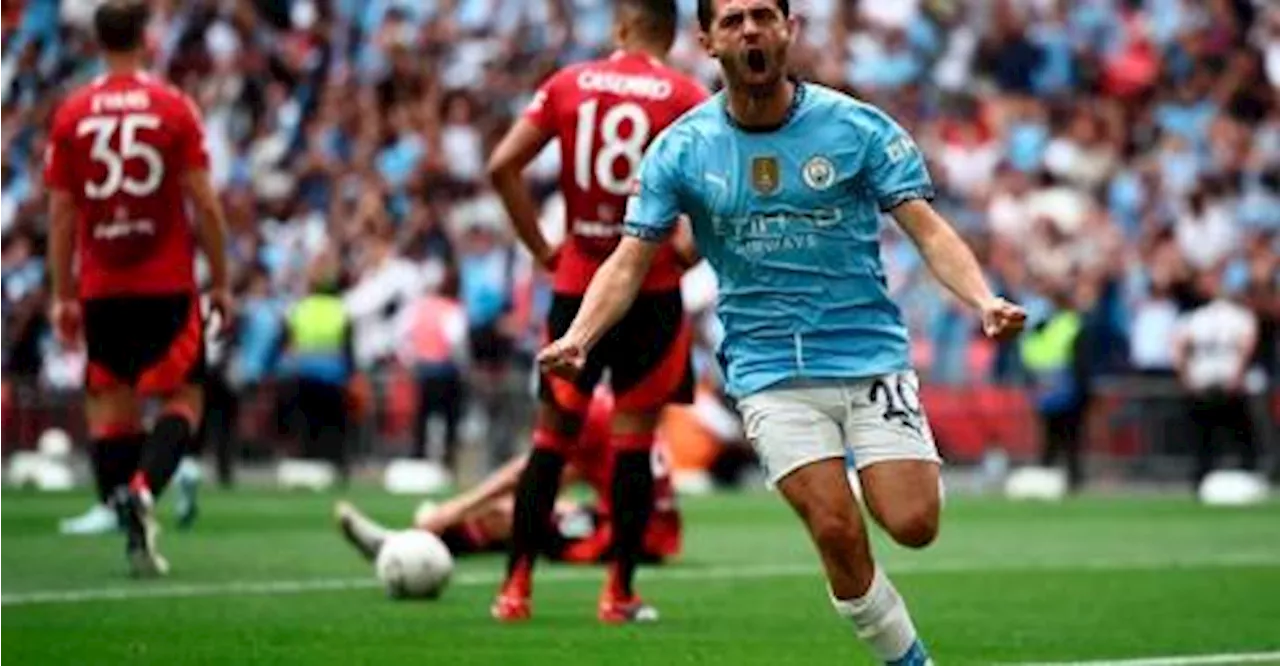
(877, 419)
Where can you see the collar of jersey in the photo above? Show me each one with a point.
(621, 54)
(796, 100)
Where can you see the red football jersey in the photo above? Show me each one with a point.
(605, 113)
(121, 146)
(592, 456)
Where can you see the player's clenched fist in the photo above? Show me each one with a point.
(562, 357)
(222, 307)
(67, 317)
(1002, 320)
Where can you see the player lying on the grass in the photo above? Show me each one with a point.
(480, 519)
(126, 156)
(785, 182)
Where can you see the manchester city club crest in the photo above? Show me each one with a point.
(764, 174)
(818, 173)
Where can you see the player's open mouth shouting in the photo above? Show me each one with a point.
(759, 45)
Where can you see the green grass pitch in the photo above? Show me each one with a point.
(265, 579)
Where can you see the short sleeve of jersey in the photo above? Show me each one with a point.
(654, 204)
(57, 151)
(894, 166)
(192, 153)
(541, 109)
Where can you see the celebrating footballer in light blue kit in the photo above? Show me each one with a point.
(790, 221)
(784, 183)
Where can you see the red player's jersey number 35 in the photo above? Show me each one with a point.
(127, 163)
(114, 160)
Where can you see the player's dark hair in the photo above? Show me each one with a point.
(707, 12)
(659, 19)
(121, 25)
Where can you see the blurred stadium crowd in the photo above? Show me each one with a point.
(1102, 155)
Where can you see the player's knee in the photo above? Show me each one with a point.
(637, 425)
(636, 442)
(185, 409)
(102, 429)
(545, 439)
(915, 526)
(834, 532)
(565, 423)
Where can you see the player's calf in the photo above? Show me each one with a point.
(820, 495)
(114, 452)
(536, 492)
(859, 591)
(632, 496)
(168, 442)
(631, 491)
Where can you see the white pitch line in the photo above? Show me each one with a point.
(330, 584)
(142, 591)
(563, 575)
(1187, 660)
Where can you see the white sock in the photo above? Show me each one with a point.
(189, 468)
(369, 532)
(879, 618)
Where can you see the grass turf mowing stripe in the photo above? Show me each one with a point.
(268, 587)
(1187, 660)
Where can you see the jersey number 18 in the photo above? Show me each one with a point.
(614, 146)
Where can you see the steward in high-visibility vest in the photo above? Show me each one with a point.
(1055, 355)
(319, 356)
(1049, 355)
(319, 333)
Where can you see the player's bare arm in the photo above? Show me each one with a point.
(62, 236)
(211, 229)
(612, 291)
(953, 263)
(500, 483)
(521, 144)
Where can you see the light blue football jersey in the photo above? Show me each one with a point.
(790, 221)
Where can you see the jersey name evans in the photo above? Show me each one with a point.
(131, 100)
